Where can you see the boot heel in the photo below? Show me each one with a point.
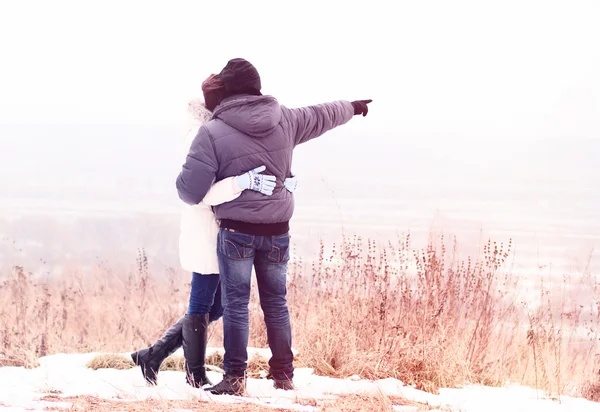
(150, 359)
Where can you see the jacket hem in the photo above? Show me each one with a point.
(256, 229)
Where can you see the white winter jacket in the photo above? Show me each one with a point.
(199, 227)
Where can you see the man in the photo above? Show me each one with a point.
(249, 130)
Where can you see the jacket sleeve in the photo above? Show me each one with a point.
(223, 191)
(306, 123)
(199, 169)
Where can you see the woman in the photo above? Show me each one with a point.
(197, 252)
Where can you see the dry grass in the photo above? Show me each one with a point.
(258, 366)
(363, 402)
(357, 402)
(173, 363)
(215, 359)
(432, 320)
(91, 403)
(591, 391)
(110, 361)
(426, 316)
(118, 361)
(341, 403)
(19, 358)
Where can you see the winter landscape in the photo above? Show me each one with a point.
(66, 382)
(444, 248)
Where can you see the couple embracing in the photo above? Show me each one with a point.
(238, 187)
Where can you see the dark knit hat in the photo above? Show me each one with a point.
(213, 89)
(240, 76)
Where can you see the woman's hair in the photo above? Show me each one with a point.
(199, 111)
(213, 89)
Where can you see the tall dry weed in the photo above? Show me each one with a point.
(427, 316)
(104, 310)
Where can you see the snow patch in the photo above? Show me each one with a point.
(66, 375)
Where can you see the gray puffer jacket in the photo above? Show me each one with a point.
(247, 132)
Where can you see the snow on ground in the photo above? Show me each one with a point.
(66, 375)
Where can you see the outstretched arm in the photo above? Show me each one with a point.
(306, 123)
(309, 122)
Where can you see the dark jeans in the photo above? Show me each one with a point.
(238, 252)
(205, 296)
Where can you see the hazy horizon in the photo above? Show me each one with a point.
(485, 116)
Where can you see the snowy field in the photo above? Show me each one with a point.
(66, 376)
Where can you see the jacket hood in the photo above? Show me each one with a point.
(256, 116)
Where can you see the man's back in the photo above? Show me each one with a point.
(247, 132)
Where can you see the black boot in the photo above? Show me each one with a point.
(195, 335)
(230, 385)
(150, 359)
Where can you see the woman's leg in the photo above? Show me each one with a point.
(202, 295)
(150, 359)
(195, 326)
(216, 311)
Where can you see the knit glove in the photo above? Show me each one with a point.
(253, 180)
(360, 107)
(291, 184)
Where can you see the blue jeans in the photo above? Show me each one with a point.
(238, 252)
(205, 296)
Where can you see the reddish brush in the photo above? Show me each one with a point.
(376, 310)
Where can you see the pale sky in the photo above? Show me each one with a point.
(472, 101)
(104, 85)
(434, 68)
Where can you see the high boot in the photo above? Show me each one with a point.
(195, 335)
(150, 359)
